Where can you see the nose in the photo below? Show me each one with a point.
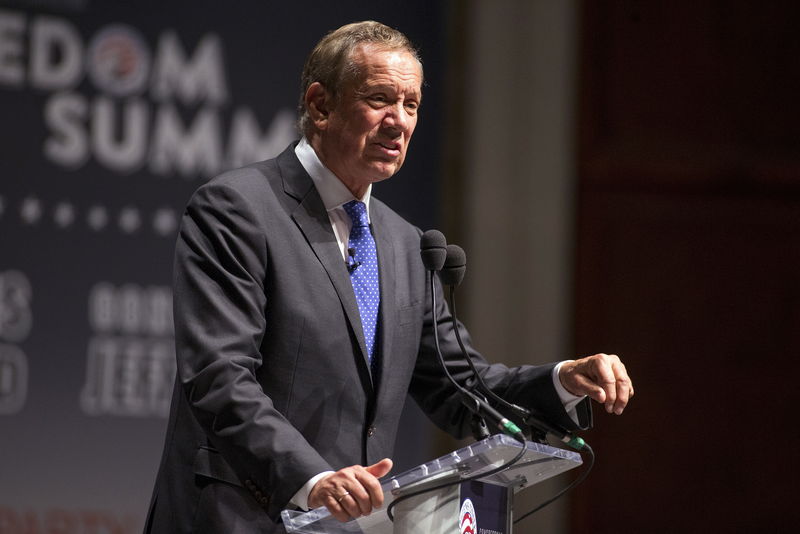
(397, 118)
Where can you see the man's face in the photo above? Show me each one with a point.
(367, 132)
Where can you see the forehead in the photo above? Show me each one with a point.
(380, 66)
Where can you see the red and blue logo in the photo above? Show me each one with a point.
(468, 523)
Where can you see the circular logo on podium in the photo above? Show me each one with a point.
(468, 523)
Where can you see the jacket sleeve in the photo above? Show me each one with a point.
(221, 263)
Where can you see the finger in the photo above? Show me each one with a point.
(350, 506)
(334, 492)
(343, 492)
(573, 377)
(336, 509)
(581, 385)
(624, 387)
(604, 376)
(372, 486)
(360, 491)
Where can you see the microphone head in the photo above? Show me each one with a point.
(455, 265)
(433, 249)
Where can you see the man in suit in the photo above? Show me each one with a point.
(303, 316)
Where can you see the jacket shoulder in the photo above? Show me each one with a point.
(258, 185)
(394, 220)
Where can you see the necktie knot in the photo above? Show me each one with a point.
(357, 211)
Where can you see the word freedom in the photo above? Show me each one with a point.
(131, 106)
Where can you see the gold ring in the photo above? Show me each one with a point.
(342, 496)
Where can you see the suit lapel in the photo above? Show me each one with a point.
(311, 217)
(388, 306)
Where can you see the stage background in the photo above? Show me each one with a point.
(630, 182)
(112, 115)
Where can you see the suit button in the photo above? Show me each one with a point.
(370, 431)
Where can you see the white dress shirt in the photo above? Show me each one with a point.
(333, 192)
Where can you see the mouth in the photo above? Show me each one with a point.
(389, 148)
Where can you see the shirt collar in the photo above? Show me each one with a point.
(332, 191)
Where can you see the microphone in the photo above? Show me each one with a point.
(452, 274)
(352, 265)
(455, 266)
(433, 249)
(434, 252)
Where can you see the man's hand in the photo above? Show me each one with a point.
(601, 377)
(351, 492)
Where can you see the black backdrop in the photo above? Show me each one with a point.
(111, 114)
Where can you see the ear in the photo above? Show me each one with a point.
(318, 103)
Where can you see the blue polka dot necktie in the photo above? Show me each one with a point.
(363, 267)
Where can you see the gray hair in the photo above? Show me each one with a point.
(331, 62)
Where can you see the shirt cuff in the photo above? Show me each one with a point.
(569, 400)
(300, 499)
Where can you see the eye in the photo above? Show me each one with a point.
(411, 105)
(378, 98)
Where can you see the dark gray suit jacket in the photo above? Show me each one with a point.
(273, 382)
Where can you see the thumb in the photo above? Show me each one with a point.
(582, 385)
(598, 394)
(381, 468)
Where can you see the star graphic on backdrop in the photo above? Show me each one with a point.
(97, 218)
(165, 221)
(30, 210)
(64, 214)
(129, 219)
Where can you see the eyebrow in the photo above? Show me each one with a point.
(387, 87)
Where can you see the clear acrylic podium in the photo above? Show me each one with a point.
(445, 510)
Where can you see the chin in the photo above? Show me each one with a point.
(387, 175)
(384, 171)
